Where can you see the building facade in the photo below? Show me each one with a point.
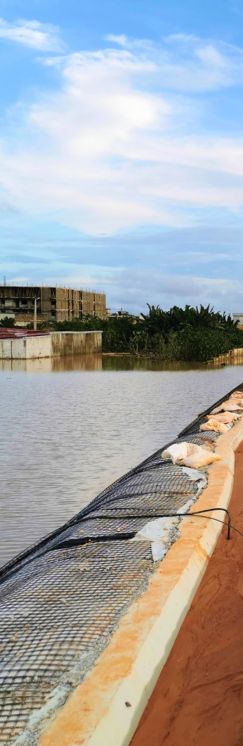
(239, 318)
(53, 303)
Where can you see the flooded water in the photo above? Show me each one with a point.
(70, 427)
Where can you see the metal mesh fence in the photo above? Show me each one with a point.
(60, 603)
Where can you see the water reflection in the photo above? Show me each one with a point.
(93, 362)
(100, 362)
(130, 362)
(53, 364)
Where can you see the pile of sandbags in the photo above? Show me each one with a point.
(215, 425)
(222, 417)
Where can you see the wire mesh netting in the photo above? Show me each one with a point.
(62, 599)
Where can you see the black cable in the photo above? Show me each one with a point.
(155, 515)
(236, 529)
(79, 541)
(143, 493)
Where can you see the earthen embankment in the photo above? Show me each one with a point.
(198, 699)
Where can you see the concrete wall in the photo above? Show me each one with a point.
(33, 347)
(6, 348)
(56, 344)
(25, 348)
(233, 357)
(76, 343)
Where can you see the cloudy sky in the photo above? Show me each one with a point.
(121, 148)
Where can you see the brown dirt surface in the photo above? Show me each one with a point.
(198, 699)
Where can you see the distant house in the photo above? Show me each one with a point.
(239, 318)
(118, 314)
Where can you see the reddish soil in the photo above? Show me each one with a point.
(198, 699)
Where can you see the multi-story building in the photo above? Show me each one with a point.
(52, 303)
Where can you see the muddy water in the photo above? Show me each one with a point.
(69, 428)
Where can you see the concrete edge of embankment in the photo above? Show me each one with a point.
(106, 708)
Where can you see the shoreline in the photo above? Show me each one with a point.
(219, 361)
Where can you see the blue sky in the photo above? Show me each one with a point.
(121, 148)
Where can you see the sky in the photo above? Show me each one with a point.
(121, 149)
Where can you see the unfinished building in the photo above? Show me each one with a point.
(53, 303)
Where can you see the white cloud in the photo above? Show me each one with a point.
(119, 39)
(132, 289)
(201, 65)
(33, 34)
(112, 148)
(186, 62)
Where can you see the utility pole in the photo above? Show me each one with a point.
(35, 313)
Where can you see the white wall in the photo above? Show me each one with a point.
(51, 345)
(25, 348)
(6, 348)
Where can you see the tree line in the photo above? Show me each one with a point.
(188, 334)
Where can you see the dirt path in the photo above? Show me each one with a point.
(198, 699)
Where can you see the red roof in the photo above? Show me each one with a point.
(17, 332)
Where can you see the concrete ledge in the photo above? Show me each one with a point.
(106, 708)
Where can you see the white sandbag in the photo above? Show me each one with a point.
(237, 400)
(228, 406)
(214, 425)
(225, 417)
(177, 451)
(202, 458)
(189, 454)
